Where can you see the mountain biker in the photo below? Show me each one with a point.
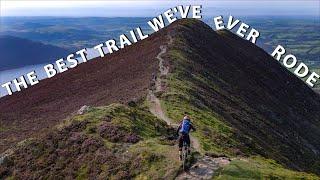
(183, 132)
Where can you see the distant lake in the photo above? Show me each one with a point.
(76, 33)
(9, 75)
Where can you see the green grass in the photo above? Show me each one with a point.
(137, 120)
(154, 158)
(82, 173)
(159, 161)
(3, 129)
(214, 134)
(259, 168)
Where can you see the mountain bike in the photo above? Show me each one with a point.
(184, 154)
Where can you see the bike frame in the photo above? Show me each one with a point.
(184, 154)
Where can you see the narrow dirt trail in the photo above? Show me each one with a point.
(206, 166)
(155, 104)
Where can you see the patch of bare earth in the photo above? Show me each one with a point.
(206, 166)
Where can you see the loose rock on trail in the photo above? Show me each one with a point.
(206, 166)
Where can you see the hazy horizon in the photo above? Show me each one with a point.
(152, 8)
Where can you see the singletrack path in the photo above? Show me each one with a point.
(206, 166)
(155, 104)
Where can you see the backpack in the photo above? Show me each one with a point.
(185, 127)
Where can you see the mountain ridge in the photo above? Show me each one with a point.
(253, 103)
(113, 72)
(237, 113)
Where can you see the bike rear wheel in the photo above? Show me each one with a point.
(184, 155)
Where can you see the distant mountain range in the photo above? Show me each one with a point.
(244, 104)
(299, 35)
(18, 52)
(69, 33)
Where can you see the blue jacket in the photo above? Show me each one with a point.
(185, 127)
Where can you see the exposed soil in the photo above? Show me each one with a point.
(154, 102)
(249, 91)
(233, 78)
(205, 166)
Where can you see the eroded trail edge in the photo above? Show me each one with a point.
(154, 102)
(206, 166)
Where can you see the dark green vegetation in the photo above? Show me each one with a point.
(69, 33)
(244, 104)
(259, 168)
(299, 35)
(135, 144)
(235, 93)
(115, 141)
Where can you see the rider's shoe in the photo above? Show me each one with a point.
(180, 157)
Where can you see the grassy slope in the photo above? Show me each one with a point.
(152, 157)
(216, 137)
(101, 143)
(183, 95)
(259, 168)
(119, 141)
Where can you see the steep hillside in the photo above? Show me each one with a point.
(243, 101)
(14, 52)
(121, 77)
(118, 142)
(114, 141)
(244, 104)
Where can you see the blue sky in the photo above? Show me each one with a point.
(152, 8)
